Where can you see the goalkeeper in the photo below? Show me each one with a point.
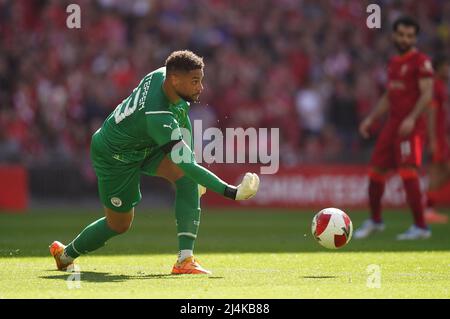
(143, 136)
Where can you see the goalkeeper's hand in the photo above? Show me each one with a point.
(248, 187)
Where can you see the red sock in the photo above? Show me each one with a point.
(430, 200)
(376, 190)
(414, 196)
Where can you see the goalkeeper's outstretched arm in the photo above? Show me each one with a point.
(180, 150)
(165, 131)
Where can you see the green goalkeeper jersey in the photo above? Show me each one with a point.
(145, 123)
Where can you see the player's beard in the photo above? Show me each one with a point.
(189, 98)
(402, 48)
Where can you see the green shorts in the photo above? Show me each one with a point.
(119, 177)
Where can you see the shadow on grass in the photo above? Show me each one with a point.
(92, 276)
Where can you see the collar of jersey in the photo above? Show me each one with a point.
(406, 56)
(179, 104)
(180, 110)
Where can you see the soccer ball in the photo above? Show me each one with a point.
(332, 228)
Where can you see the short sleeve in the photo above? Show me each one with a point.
(425, 67)
(162, 127)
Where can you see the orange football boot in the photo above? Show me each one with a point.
(57, 249)
(189, 266)
(433, 217)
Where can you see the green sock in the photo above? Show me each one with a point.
(187, 212)
(91, 238)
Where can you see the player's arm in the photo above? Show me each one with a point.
(167, 134)
(431, 117)
(201, 188)
(181, 154)
(380, 109)
(426, 94)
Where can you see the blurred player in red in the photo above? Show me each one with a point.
(399, 146)
(437, 131)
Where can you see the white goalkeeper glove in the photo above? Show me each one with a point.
(248, 187)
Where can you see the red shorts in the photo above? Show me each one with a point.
(442, 153)
(392, 151)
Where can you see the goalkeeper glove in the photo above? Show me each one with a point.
(246, 189)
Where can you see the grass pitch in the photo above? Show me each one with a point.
(253, 254)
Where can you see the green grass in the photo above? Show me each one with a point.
(253, 254)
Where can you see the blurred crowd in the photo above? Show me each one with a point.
(310, 67)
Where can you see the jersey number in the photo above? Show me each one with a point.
(126, 109)
(405, 149)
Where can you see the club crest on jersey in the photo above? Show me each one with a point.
(116, 201)
(428, 66)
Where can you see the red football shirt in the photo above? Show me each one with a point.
(404, 73)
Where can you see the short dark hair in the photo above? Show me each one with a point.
(407, 21)
(439, 60)
(184, 60)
